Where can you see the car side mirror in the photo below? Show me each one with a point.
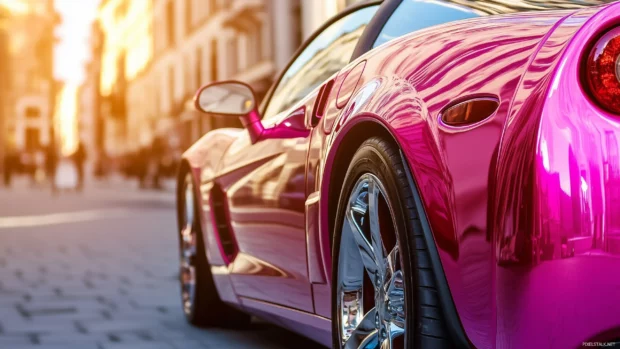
(231, 98)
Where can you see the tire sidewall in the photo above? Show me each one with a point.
(207, 310)
(201, 261)
(374, 157)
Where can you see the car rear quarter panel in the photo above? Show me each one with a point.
(559, 261)
(405, 86)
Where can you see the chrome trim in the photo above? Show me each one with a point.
(363, 251)
(188, 249)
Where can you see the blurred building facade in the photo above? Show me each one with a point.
(4, 81)
(91, 123)
(196, 42)
(27, 83)
(155, 54)
(317, 12)
(126, 50)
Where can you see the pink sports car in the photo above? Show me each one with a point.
(423, 174)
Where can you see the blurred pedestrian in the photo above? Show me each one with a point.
(101, 165)
(79, 158)
(39, 166)
(29, 162)
(157, 153)
(10, 165)
(51, 164)
(142, 164)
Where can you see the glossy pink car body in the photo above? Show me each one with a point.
(523, 206)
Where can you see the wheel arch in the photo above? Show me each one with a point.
(346, 142)
(350, 140)
(343, 143)
(186, 168)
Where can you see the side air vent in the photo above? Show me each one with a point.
(469, 112)
(221, 221)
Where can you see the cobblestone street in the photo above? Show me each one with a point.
(99, 270)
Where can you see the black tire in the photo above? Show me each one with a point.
(425, 326)
(207, 309)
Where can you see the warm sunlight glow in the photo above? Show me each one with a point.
(15, 6)
(126, 26)
(66, 119)
(331, 8)
(72, 50)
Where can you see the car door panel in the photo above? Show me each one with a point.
(265, 189)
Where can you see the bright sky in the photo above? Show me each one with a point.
(72, 52)
(70, 56)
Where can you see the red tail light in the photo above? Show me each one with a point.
(603, 71)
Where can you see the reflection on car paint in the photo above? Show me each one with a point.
(523, 207)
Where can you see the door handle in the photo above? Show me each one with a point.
(320, 104)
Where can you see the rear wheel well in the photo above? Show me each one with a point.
(183, 170)
(347, 148)
(208, 308)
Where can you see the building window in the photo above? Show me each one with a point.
(213, 61)
(189, 83)
(188, 17)
(255, 44)
(170, 22)
(33, 112)
(32, 139)
(213, 7)
(297, 18)
(231, 54)
(198, 72)
(171, 86)
(158, 100)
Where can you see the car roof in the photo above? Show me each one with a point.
(511, 6)
(482, 7)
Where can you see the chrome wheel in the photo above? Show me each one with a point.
(370, 283)
(188, 249)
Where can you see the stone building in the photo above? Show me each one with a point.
(28, 87)
(158, 53)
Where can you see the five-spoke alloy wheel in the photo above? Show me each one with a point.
(384, 290)
(371, 303)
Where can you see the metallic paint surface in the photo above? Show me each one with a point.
(564, 287)
(203, 158)
(309, 325)
(523, 205)
(456, 169)
(349, 80)
(452, 167)
(266, 201)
